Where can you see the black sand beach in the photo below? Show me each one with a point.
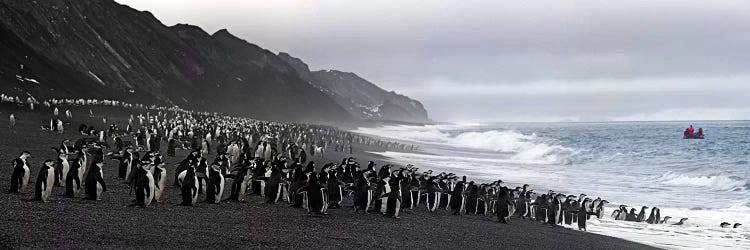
(111, 224)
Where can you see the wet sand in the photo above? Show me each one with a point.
(67, 223)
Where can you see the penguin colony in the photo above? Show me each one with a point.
(276, 161)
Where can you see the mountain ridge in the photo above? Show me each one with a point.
(359, 96)
(103, 49)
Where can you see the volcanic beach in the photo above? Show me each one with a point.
(110, 223)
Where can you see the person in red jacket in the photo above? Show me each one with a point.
(700, 132)
(691, 130)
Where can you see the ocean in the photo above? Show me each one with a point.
(632, 163)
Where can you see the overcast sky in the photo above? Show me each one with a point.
(475, 61)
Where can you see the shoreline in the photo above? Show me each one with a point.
(112, 224)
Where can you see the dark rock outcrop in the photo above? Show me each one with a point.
(99, 48)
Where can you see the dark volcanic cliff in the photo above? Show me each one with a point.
(360, 97)
(98, 48)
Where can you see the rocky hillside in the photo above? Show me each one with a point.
(99, 48)
(360, 97)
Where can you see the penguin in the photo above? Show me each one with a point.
(682, 222)
(215, 188)
(19, 180)
(45, 181)
(273, 190)
(664, 221)
(183, 166)
(95, 182)
(616, 214)
(315, 196)
(160, 181)
(737, 225)
(144, 184)
(202, 173)
(393, 206)
(189, 187)
(335, 190)
(458, 197)
(652, 216)
(62, 166)
(240, 184)
(502, 205)
(553, 209)
(82, 160)
(725, 225)
(642, 215)
(582, 215)
(575, 207)
(631, 216)
(73, 180)
(600, 208)
(362, 193)
(623, 213)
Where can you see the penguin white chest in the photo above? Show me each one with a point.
(26, 176)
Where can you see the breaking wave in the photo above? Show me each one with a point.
(523, 148)
(713, 182)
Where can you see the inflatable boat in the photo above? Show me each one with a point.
(693, 136)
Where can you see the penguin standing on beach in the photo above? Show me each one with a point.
(19, 180)
(184, 165)
(62, 167)
(583, 215)
(202, 173)
(394, 198)
(73, 180)
(144, 184)
(274, 185)
(432, 194)
(458, 197)
(240, 183)
(502, 204)
(160, 179)
(95, 182)
(45, 181)
(406, 197)
(189, 188)
(362, 193)
(215, 188)
(315, 196)
(335, 190)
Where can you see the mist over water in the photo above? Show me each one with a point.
(632, 163)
